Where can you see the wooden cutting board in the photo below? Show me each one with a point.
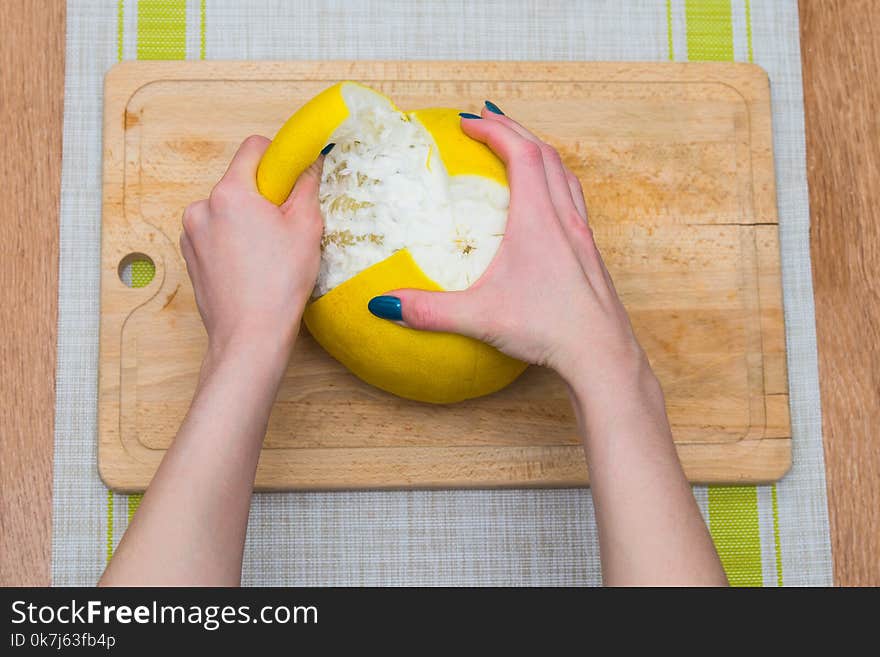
(677, 166)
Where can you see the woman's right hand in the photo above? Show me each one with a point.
(547, 297)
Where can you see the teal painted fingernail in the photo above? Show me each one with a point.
(468, 115)
(386, 307)
(492, 107)
(328, 148)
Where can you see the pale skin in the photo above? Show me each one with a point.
(547, 298)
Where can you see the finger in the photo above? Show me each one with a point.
(561, 194)
(242, 169)
(577, 194)
(189, 256)
(505, 120)
(568, 200)
(186, 249)
(303, 205)
(306, 187)
(185, 246)
(522, 158)
(447, 312)
(195, 217)
(607, 275)
(498, 135)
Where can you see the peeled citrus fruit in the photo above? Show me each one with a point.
(408, 200)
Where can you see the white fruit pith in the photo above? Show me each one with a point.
(384, 188)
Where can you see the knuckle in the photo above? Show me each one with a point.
(312, 174)
(220, 196)
(421, 312)
(575, 219)
(588, 239)
(190, 218)
(253, 140)
(492, 329)
(185, 251)
(529, 153)
(313, 226)
(547, 151)
(317, 220)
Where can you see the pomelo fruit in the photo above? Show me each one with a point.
(408, 200)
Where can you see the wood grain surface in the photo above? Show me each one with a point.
(841, 60)
(31, 106)
(677, 165)
(839, 77)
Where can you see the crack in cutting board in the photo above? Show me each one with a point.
(677, 165)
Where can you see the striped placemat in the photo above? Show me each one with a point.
(766, 535)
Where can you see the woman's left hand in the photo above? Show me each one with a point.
(253, 264)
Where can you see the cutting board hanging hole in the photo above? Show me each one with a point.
(136, 270)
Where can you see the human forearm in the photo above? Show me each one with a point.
(548, 299)
(253, 266)
(650, 528)
(191, 525)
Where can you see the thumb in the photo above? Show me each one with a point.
(242, 170)
(305, 190)
(447, 312)
(303, 206)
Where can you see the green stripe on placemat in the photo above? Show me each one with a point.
(134, 501)
(709, 30)
(733, 522)
(120, 28)
(109, 524)
(203, 10)
(748, 29)
(161, 29)
(777, 543)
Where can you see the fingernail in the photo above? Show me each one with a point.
(386, 307)
(328, 148)
(468, 115)
(492, 107)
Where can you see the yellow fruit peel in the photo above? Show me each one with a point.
(439, 368)
(299, 142)
(461, 155)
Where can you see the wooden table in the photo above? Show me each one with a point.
(841, 62)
